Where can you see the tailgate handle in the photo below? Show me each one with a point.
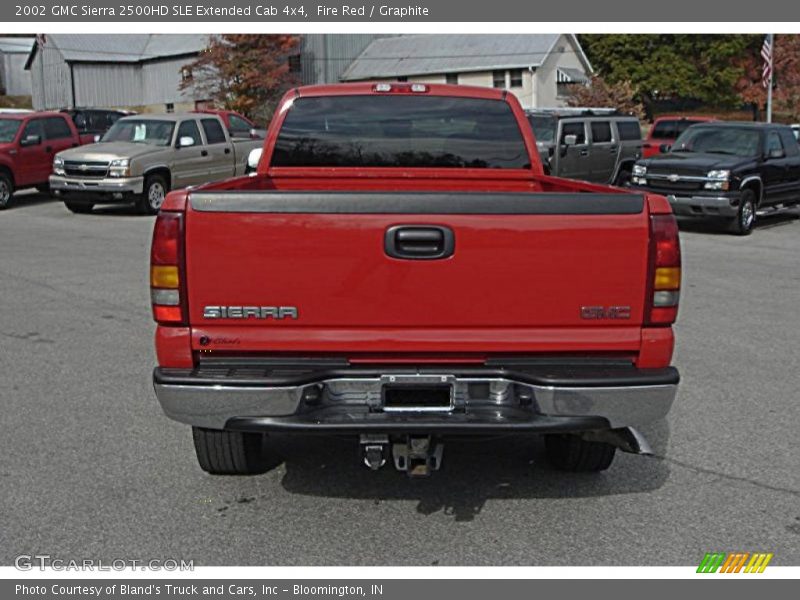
(419, 242)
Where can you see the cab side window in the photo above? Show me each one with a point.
(601, 132)
(576, 129)
(239, 126)
(774, 144)
(33, 127)
(189, 129)
(56, 128)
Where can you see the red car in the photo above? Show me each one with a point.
(665, 131)
(28, 143)
(238, 125)
(400, 269)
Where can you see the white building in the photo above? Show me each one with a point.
(14, 80)
(537, 68)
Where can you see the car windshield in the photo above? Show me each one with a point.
(8, 129)
(400, 131)
(718, 140)
(141, 131)
(544, 128)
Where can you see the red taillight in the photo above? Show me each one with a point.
(167, 277)
(664, 285)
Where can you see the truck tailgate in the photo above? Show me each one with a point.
(528, 272)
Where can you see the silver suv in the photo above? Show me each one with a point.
(592, 144)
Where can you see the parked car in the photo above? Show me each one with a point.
(592, 144)
(665, 131)
(238, 125)
(400, 269)
(726, 171)
(28, 143)
(92, 123)
(142, 157)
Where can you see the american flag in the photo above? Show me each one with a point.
(766, 54)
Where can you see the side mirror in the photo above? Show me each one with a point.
(186, 141)
(253, 159)
(664, 148)
(776, 153)
(570, 140)
(254, 133)
(97, 137)
(31, 140)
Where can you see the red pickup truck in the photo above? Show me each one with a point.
(28, 143)
(400, 269)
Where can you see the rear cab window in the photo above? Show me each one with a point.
(400, 131)
(629, 130)
(213, 131)
(56, 128)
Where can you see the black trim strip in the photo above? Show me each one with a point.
(418, 203)
(343, 420)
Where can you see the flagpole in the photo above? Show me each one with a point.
(771, 39)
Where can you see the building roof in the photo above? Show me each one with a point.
(128, 48)
(16, 45)
(448, 53)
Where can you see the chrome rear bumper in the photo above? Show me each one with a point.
(480, 400)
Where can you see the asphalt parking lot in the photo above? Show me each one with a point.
(91, 468)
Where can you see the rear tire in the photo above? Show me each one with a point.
(745, 219)
(568, 452)
(80, 208)
(6, 190)
(232, 452)
(153, 194)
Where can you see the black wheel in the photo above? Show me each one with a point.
(569, 452)
(623, 178)
(80, 208)
(232, 452)
(155, 190)
(745, 219)
(6, 190)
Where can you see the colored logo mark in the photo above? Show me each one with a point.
(734, 562)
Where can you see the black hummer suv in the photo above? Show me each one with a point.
(727, 171)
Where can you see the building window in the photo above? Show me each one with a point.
(295, 65)
(170, 107)
(186, 74)
(515, 77)
(451, 78)
(499, 79)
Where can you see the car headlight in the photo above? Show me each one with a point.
(720, 180)
(638, 175)
(58, 166)
(120, 167)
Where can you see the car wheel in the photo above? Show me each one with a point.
(6, 190)
(232, 452)
(745, 219)
(80, 208)
(155, 190)
(623, 178)
(568, 452)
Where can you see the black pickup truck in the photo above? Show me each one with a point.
(727, 171)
